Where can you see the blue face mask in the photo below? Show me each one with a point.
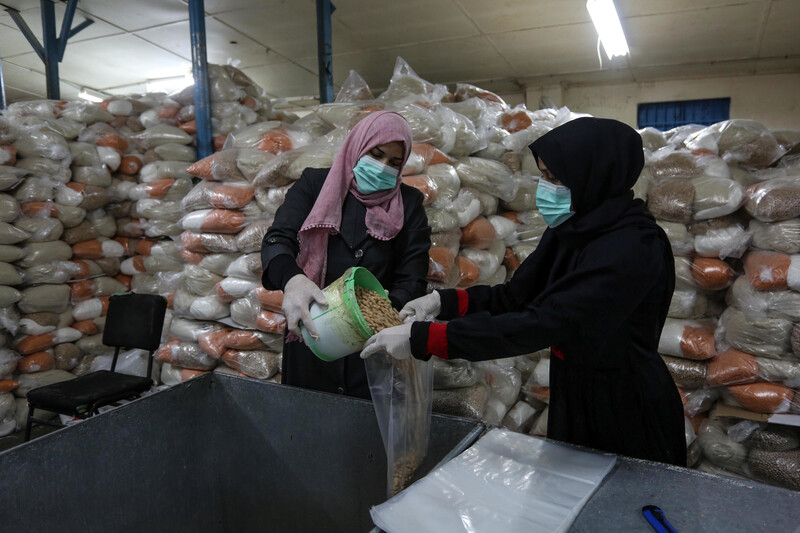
(553, 202)
(373, 176)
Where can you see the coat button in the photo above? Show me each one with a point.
(359, 253)
(340, 390)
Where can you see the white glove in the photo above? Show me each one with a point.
(424, 308)
(395, 341)
(298, 296)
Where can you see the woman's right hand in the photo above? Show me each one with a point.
(298, 296)
(424, 308)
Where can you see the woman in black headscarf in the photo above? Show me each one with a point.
(596, 291)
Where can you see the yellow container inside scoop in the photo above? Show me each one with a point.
(341, 326)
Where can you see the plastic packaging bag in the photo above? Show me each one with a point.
(504, 482)
(259, 364)
(468, 402)
(775, 199)
(720, 449)
(401, 392)
(764, 304)
(783, 236)
(487, 176)
(688, 339)
(185, 355)
(731, 241)
(769, 271)
(686, 373)
(766, 337)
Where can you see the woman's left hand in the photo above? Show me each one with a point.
(395, 341)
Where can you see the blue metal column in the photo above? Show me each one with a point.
(51, 48)
(202, 96)
(52, 52)
(325, 50)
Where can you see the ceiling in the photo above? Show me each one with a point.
(502, 45)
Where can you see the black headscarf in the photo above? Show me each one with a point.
(599, 160)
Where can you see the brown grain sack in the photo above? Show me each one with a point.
(778, 468)
(479, 233)
(36, 362)
(240, 339)
(212, 342)
(43, 319)
(440, 263)
(712, 274)
(774, 438)
(767, 271)
(468, 271)
(762, 397)
(270, 322)
(270, 300)
(683, 164)
(671, 200)
(469, 402)
(686, 373)
(67, 355)
(698, 343)
(773, 200)
(732, 367)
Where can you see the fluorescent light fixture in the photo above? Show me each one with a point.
(606, 22)
(169, 85)
(91, 95)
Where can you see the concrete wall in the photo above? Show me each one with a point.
(772, 99)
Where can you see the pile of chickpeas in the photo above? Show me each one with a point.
(377, 310)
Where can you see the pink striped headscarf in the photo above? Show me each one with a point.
(385, 213)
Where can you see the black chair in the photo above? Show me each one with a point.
(132, 321)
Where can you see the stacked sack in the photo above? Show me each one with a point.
(734, 227)
(62, 238)
(222, 312)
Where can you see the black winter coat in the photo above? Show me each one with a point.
(400, 264)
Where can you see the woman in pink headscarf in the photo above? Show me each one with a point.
(356, 213)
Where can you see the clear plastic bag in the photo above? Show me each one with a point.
(502, 483)
(716, 197)
(354, 89)
(783, 236)
(704, 273)
(687, 338)
(401, 392)
(688, 303)
(773, 271)
(686, 373)
(259, 364)
(775, 199)
(769, 304)
(188, 305)
(161, 134)
(185, 355)
(405, 83)
(765, 337)
(204, 243)
(731, 241)
(453, 374)
(487, 176)
(720, 449)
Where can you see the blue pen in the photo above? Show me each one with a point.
(656, 517)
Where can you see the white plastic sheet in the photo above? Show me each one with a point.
(505, 482)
